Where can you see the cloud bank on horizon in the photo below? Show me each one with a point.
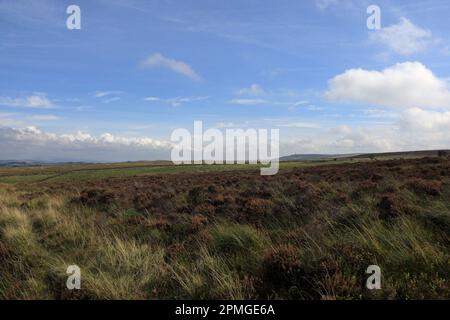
(137, 70)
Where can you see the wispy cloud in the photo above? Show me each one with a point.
(301, 102)
(313, 107)
(45, 117)
(404, 38)
(259, 101)
(153, 99)
(158, 60)
(248, 102)
(111, 99)
(109, 96)
(177, 101)
(253, 90)
(255, 94)
(303, 125)
(43, 13)
(251, 96)
(324, 4)
(20, 119)
(101, 94)
(38, 101)
(9, 119)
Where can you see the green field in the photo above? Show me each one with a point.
(100, 171)
(76, 172)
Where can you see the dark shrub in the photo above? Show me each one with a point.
(204, 209)
(199, 221)
(258, 206)
(100, 198)
(392, 206)
(426, 187)
(281, 267)
(197, 195)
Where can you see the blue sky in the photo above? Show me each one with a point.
(139, 69)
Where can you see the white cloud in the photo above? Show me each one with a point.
(324, 4)
(38, 101)
(256, 95)
(403, 38)
(9, 119)
(34, 134)
(33, 143)
(23, 120)
(301, 102)
(416, 129)
(253, 90)
(248, 102)
(158, 60)
(354, 140)
(404, 85)
(417, 118)
(152, 99)
(102, 94)
(380, 113)
(260, 101)
(187, 99)
(413, 129)
(342, 129)
(363, 139)
(109, 96)
(303, 125)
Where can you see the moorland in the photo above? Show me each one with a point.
(159, 231)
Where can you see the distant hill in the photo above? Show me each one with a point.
(16, 163)
(39, 163)
(382, 155)
(32, 163)
(407, 154)
(293, 157)
(315, 157)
